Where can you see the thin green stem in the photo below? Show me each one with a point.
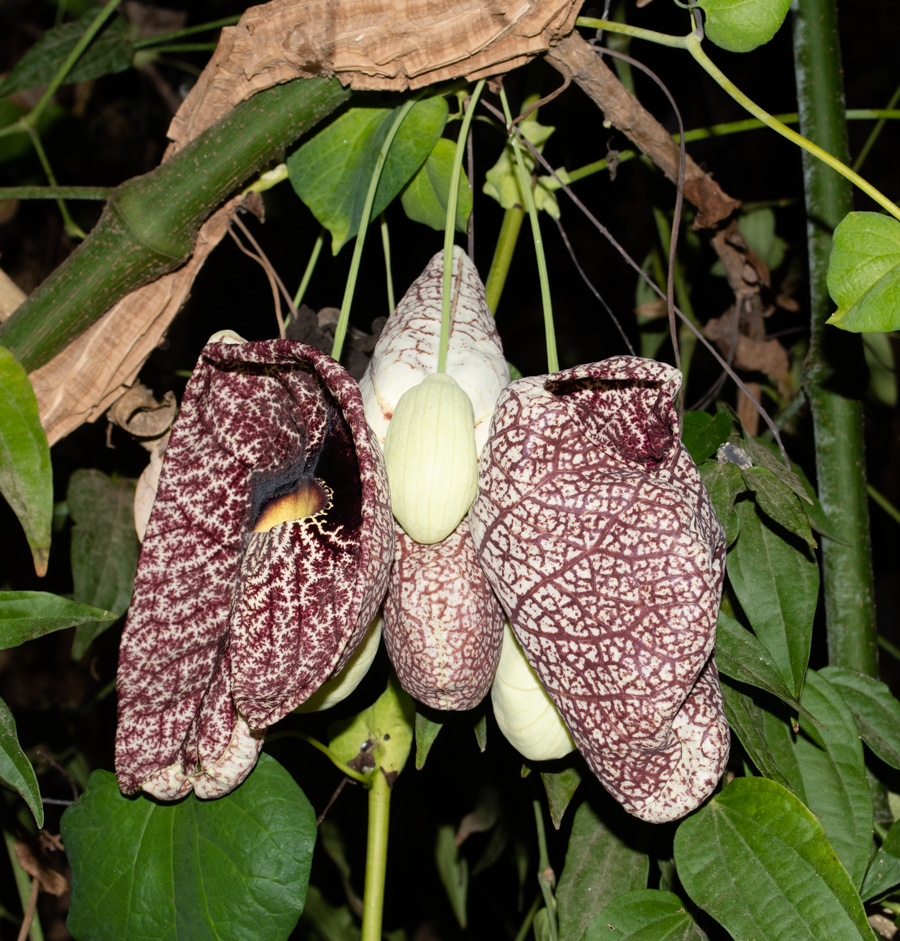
(528, 199)
(503, 253)
(23, 886)
(71, 227)
(525, 927)
(341, 329)
(326, 751)
(56, 192)
(187, 31)
(310, 267)
(376, 856)
(884, 503)
(875, 132)
(31, 119)
(636, 32)
(450, 225)
(546, 878)
(888, 647)
(185, 47)
(389, 278)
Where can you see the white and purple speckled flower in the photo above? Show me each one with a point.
(598, 536)
(265, 559)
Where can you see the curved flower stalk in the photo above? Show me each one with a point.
(264, 561)
(407, 350)
(598, 536)
(524, 712)
(442, 623)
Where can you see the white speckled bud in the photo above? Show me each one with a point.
(523, 710)
(429, 453)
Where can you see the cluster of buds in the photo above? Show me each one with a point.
(551, 542)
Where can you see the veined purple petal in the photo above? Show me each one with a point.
(595, 530)
(231, 628)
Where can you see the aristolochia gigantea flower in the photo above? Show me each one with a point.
(598, 536)
(264, 561)
(442, 623)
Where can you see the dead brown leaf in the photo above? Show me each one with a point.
(138, 413)
(49, 879)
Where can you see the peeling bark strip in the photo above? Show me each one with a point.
(598, 536)
(442, 624)
(236, 617)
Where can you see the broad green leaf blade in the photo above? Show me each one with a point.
(26, 480)
(831, 765)
(884, 870)
(864, 273)
(777, 584)
(453, 870)
(750, 722)
(25, 615)
(428, 192)
(110, 52)
(502, 180)
(645, 915)
(385, 729)
(778, 502)
(15, 768)
(875, 709)
(758, 861)
(599, 867)
(560, 787)
(742, 25)
(740, 655)
(724, 483)
(233, 868)
(702, 434)
(105, 547)
(426, 732)
(331, 171)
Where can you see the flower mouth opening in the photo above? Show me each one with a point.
(310, 498)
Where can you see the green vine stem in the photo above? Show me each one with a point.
(546, 878)
(503, 254)
(341, 330)
(692, 42)
(148, 227)
(388, 277)
(325, 750)
(834, 363)
(528, 197)
(376, 856)
(450, 225)
(310, 267)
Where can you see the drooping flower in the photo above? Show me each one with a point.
(596, 533)
(442, 623)
(264, 561)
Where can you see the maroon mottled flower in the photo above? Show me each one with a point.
(600, 540)
(442, 624)
(265, 559)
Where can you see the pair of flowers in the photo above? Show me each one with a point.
(271, 543)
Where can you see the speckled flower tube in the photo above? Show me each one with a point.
(266, 557)
(443, 626)
(595, 531)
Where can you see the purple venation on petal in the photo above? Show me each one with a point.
(266, 557)
(599, 538)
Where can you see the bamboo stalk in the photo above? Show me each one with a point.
(834, 365)
(150, 222)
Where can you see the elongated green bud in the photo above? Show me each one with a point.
(429, 453)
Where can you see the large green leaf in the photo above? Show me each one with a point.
(105, 547)
(428, 192)
(109, 52)
(599, 867)
(740, 655)
(777, 584)
(833, 774)
(779, 502)
(723, 483)
(884, 870)
(26, 480)
(864, 273)
(742, 25)
(15, 768)
(758, 861)
(702, 433)
(875, 709)
(332, 170)
(25, 615)
(645, 915)
(232, 869)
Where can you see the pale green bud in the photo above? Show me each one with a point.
(430, 456)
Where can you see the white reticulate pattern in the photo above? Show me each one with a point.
(600, 540)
